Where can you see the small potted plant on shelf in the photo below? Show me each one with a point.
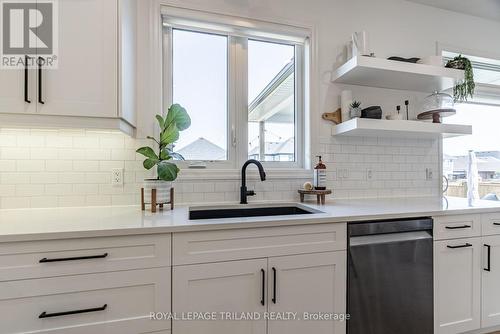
(464, 89)
(176, 120)
(354, 109)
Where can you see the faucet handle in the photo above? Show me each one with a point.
(251, 193)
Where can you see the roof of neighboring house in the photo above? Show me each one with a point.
(277, 148)
(202, 149)
(484, 163)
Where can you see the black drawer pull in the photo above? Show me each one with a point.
(274, 286)
(488, 259)
(77, 258)
(457, 227)
(460, 246)
(60, 314)
(497, 224)
(263, 293)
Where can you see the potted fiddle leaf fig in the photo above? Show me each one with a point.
(176, 120)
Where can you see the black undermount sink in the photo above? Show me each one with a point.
(195, 214)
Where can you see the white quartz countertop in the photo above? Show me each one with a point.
(57, 223)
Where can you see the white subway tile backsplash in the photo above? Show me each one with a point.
(44, 168)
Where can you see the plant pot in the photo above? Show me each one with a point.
(456, 64)
(354, 112)
(162, 190)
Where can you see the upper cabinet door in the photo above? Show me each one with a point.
(491, 282)
(85, 82)
(313, 283)
(457, 285)
(235, 286)
(17, 91)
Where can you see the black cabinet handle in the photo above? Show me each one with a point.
(26, 79)
(497, 224)
(460, 246)
(100, 256)
(488, 257)
(263, 294)
(457, 227)
(40, 81)
(60, 314)
(274, 286)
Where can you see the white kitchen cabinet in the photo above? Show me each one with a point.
(85, 80)
(235, 286)
(312, 283)
(14, 95)
(457, 285)
(490, 310)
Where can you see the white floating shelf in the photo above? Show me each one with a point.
(364, 127)
(383, 73)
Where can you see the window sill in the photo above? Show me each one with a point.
(235, 174)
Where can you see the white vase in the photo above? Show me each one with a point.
(162, 190)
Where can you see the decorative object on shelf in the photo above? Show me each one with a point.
(159, 191)
(407, 103)
(335, 116)
(320, 195)
(374, 112)
(436, 106)
(360, 45)
(397, 116)
(345, 101)
(307, 186)
(354, 109)
(319, 181)
(464, 89)
(406, 60)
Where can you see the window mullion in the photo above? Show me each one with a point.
(240, 90)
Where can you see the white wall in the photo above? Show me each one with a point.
(61, 168)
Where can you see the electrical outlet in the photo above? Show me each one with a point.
(117, 177)
(429, 175)
(369, 174)
(342, 173)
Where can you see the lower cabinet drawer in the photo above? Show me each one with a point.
(48, 258)
(457, 226)
(250, 243)
(117, 302)
(490, 223)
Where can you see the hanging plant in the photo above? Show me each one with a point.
(464, 89)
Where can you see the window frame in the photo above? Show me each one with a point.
(237, 81)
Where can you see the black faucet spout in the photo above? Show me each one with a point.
(244, 193)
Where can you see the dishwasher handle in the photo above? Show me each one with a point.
(389, 238)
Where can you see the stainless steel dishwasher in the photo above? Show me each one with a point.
(390, 277)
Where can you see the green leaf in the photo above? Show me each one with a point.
(167, 171)
(165, 155)
(178, 115)
(147, 152)
(149, 163)
(169, 135)
(161, 121)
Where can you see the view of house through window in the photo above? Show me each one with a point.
(485, 142)
(271, 101)
(199, 66)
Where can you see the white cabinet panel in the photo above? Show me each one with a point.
(12, 91)
(226, 245)
(457, 284)
(235, 286)
(36, 259)
(85, 82)
(490, 223)
(35, 306)
(490, 311)
(312, 283)
(457, 226)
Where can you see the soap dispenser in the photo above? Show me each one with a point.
(319, 182)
